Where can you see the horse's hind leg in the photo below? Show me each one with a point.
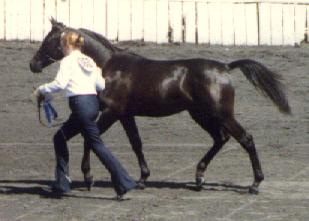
(130, 127)
(219, 135)
(106, 120)
(246, 141)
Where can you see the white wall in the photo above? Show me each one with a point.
(223, 22)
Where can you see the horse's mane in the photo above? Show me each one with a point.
(100, 39)
(94, 35)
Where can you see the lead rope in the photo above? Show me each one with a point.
(39, 105)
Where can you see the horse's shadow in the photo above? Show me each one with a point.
(38, 187)
(215, 186)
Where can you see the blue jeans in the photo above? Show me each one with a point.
(85, 109)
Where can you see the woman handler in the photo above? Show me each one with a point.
(79, 76)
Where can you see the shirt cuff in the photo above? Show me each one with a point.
(42, 89)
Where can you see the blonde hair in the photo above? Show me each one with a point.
(72, 39)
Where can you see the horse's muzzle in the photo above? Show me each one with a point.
(36, 66)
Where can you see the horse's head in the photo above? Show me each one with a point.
(50, 50)
(95, 46)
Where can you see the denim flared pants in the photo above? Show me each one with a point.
(85, 109)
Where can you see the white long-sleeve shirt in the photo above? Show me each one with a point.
(78, 75)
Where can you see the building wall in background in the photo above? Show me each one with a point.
(220, 22)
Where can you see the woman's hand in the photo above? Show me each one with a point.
(36, 95)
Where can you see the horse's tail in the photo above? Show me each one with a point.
(265, 81)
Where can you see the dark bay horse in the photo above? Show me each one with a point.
(137, 86)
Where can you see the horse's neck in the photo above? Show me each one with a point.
(100, 57)
(100, 38)
(97, 47)
(98, 52)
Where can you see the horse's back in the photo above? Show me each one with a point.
(164, 87)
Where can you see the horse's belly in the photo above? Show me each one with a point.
(155, 109)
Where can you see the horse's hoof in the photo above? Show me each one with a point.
(140, 185)
(199, 181)
(253, 190)
(119, 197)
(89, 182)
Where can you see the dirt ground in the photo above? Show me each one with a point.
(172, 146)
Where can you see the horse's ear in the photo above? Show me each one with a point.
(55, 23)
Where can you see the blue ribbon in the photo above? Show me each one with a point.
(50, 112)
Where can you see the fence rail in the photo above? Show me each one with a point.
(225, 22)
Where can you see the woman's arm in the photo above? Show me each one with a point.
(60, 82)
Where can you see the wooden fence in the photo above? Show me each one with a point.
(222, 22)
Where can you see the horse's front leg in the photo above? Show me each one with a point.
(85, 167)
(130, 127)
(106, 120)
